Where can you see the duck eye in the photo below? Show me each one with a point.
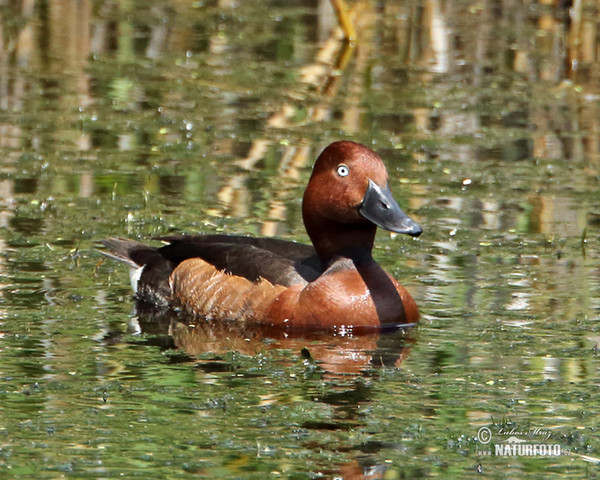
(342, 170)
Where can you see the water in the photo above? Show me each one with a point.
(145, 118)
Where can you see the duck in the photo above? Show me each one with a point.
(333, 284)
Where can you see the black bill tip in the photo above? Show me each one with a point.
(379, 207)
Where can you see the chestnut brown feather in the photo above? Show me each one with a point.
(199, 288)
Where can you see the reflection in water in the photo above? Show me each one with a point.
(470, 44)
(430, 34)
(340, 357)
(342, 353)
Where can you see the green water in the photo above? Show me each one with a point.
(144, 118)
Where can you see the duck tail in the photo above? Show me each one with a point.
(131, 253)
(148, 270)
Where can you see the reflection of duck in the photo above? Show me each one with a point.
(335, 354)
(336, 284)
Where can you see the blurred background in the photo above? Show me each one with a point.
(131, 118)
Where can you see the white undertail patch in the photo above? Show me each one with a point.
(134, 277)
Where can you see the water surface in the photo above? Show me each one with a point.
(145, 118)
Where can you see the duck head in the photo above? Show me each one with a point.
(348, 196)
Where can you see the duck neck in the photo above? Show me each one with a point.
(333, 240)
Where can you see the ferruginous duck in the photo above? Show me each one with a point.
(334, 284)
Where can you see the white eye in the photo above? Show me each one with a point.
(342, 170)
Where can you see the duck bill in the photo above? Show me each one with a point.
(379, 207)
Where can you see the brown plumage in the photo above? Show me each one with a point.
(200, 289)
(285, 284)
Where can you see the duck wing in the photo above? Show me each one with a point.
(278, 261)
